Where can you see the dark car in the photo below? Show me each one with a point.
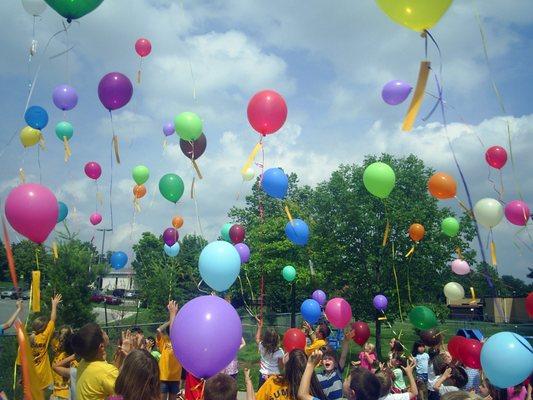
(97, 297)
(119, 292)
(112, 300)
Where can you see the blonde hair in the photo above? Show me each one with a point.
(371, 347)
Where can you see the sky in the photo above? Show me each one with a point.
(328, 59)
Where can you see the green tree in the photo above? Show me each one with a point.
(514, 287)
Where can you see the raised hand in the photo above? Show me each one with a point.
(57, 299)
(172, 308)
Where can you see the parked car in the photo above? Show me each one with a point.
(14, 294)
(131, 294)
(25, 295)
(112, 300)
(97, 297)
(119, 292)
(6, 294)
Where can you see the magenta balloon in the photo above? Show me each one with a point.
(338, 312)
(115, 90)
(380, 302)
(95, 218)
(194, 149)
(65, 97)
(236, 233)
(395, 92)
(496, 157)
(93, 170)
(170, 236)
(32, 211)
(460, 267)
(206, 335)
(319, 296)
(267, 111)
(244, 252)
(517, 212)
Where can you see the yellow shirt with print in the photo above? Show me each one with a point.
(95, 380)
(274, 388)
(316, 345)
(169, 366)
(61, 384)
(39, 350)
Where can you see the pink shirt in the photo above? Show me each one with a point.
(368, 359)
(521, 395)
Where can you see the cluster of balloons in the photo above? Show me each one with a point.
(140, 175)
(379, 179)
(171, 236)
(235, 233)
(36, 119)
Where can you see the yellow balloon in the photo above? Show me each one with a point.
(249, 174)
(29, 136)
(415, 14)
(454, 291)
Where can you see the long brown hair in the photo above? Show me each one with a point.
(139, 377)
(294, 369)
(270, 341)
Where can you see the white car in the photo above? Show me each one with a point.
(6, 294)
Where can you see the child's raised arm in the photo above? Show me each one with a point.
(345, 347)
(259, 330)
(13, 317)
(304, 390)
(63, 367)
(250, 394)
(55, 302)
(172, 311)
(413, 389)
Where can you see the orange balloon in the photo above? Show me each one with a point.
(416, 232)
(177, 222)
(139, 191)
(442, 186)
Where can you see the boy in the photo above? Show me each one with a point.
(331, 377)
(169, 367)
(318, 337)
(220, 387)
(9, 323)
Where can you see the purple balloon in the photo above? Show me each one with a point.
(380, 302)
(170, 236)
(168, 128)
(244, 252)
(115, 90)
(194, 149)
(65, 97)
(197, 334)
(395, 92)
(319, 296)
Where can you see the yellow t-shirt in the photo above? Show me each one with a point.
(61, 384)
(274, 388)
(39, 350)
(95, 380)
(169, 366)
(316, 345)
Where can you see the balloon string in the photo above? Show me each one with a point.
(246, 306)
(111, 173)
(396, 282)
(198, 286)
(409, 281)
(493, 184)
(193, 197)
(39, 164)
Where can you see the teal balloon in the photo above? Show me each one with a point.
(73, 9)
(224, 232)
(289, 273)
(219, 264)
(64, 129)
(172, 251)
(171, 187)
(63, 211)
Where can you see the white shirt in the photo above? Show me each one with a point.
(73, 376)
(269, 361)
(396, 396)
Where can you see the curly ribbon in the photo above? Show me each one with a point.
(193, 197)
(139, 72)
(68, 152)
(464, 207)
(410, 252)
(22, 176)
(136, 204)
(459, 253)
(55, 252)
(36, 291)
(41, 141)
(396, 282)
(386, 234)
(252, 155)
(418, 96)
(9, 255)
(246, 306)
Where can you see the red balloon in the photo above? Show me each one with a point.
(293, 339)
(471, 353)
(143, 47)
(529, 304)
(236, 233)
(496, 157)
(267, 112)
(455, 347)
(361, 332)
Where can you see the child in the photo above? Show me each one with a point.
(68, 369)
(59, 343)
(386, 377)
(150, 346)
(318, 337)
(396, 348)
(220, 387)
(9, 323)
(169, 366)
(396, 365)
(518, 392)
(139, 377)
(271, 355)
(436, 367)
(361, 384)
(452, 380)
(422, 360)
(232, 368)
(368, 357)
(330, 379)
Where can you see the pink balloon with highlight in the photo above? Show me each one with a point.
(517, 212)
(338, 312)
(95, 218)
(460, 267)
(143, 47)
(496, 157)
(93, 170)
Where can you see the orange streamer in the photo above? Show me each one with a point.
(9, 256)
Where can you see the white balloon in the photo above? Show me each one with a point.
(488, 212)
(249, 174)
(34, 7)
(454, 291)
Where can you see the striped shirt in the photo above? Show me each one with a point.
(331, 384)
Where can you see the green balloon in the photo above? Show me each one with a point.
(140, 174)
(64, 130)
(188, 126)
(171, 187)
(224, 232)
(73, 9)
(450, 226)
(379, 179)
(423, 318)
(289, 273)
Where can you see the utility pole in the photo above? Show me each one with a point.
(103, 230)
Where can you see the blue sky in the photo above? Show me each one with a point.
(329, 60)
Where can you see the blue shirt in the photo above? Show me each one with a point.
(422, 361)
(335, 339)
(331, 384)
(474, 379)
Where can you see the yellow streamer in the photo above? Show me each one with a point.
(22, 175)
(36, 291)
(55, 251)
(288, 212)
(473, 293)
(115, 147)
(386, 234)
(465, 208)
(493, 253)
(410, 252)
(418, 96)
(68, 152)
(251, 157)
(458, 252)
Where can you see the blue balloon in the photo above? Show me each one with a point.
(297, 232)
(172, 251)
(219, 265)
(63, 211)
(275, 183)
(118, 260)
(507, 359)
(310, 310)
(36, 117)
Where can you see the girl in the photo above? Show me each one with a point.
(422, 360)
(489, 392)
(233, 367)
(452, 380)
(386, 377)
(139, 377)
(271, 354)
(396, 348)
(396, 365)
(361, 384)
(59, 344)
(518, 392)
(368, 357)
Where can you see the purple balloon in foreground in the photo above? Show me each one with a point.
(65, 97)
(115, 90)
(380, 302)
(170, 236)
(319, 296)
(395, 92)
(168, 128)
(201, 350)
(244, 252)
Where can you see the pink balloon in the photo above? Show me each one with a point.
(460, 267)
(95, 218)
(496, 157)
(267, 112)
(517, 212)
(143, 47)
(93, 170)
(338, 312)
(32, 211)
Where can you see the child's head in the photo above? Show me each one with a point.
(361, 384)
(63, 339)
(294, 369)
(440, 363)
(39, 324)
(396, 346)
(90, 342)
(329, 359)
(484, 387)
(137, 331)
(385, 378)
(418, 348)
(220, 387)
(369, 347)
(270, 340)
(322, 331)
(460, 395)
(150, 343)
(138, 377)
(459, 378)
(398, 361)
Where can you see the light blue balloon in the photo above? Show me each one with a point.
(63, 211)
(118, 260)
(172, 251)
(311, 311)
(297, 232)
(219, 265)
(507, 359)
(275, 183)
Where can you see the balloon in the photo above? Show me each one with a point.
(431, 337)
(171, 187)
(293, 339)
(422, 317)
(529, 304)
(194, 149)
(219, 265)
(65, 97)
(188, 126)
(517, 212)
(379, 179)
(460, 267)
(275, 183)
(496, 157)
(311, 311)
(172, 251)
(380, 302)
(139, 191)
(450, 226)
(289, 273)
(488, 212)
(115, 90)
(177, 222)
(62, 211)
(32, 211)
(29, 136)
(244, 252)
(64, 130)
(118, 260)
(224, 232)
(361, 332)
(416, 232)
(455, 346)
(93, 170)
(471, 353)
(417, 15)
(249, 174)
(73, 9)
(506, 359)
(36, 117)
(34, 7)
(395, 92)
(140, 174)
(201, 350)
(95, 218)
(168, 129)
(454, 291)
(297, 232)
(338, 312)
(442, 186)
(267, 112)
(319, 296)
(143, 47)
(170, 236)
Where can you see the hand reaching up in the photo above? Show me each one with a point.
(56, 300)
(172, 308)
(314, 358)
